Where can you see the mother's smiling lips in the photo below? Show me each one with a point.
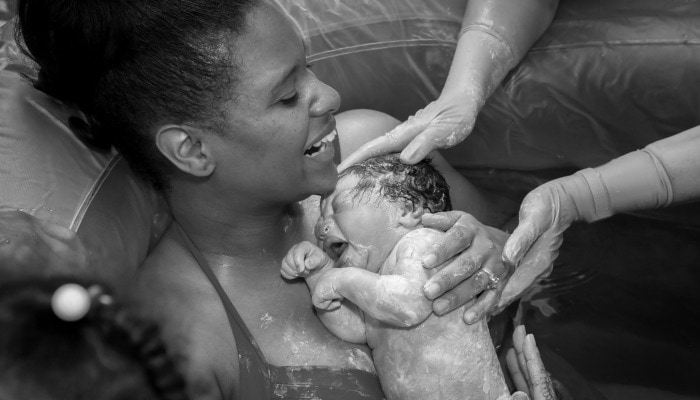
(320, 145)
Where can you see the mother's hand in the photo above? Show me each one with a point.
(441, 124)
(469, 255)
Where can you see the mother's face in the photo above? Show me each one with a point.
(278, 115)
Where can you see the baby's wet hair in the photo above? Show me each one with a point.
(77, 351)
(421, 184)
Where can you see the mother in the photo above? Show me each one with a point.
(214, 103)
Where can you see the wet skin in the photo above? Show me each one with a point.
(370, 262)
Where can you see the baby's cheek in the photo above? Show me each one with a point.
(355, 256)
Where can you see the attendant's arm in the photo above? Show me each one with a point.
(663, 173)
(495, 36)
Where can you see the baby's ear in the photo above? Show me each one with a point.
(411, 215)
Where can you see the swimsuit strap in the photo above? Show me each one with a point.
(254, 371)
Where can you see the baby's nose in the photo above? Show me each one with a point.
(324, 228)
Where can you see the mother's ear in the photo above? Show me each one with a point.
(184, 147)
(411, 215)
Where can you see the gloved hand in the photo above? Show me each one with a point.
(482, 59)
(531, 379)
(545, 213)
(441, 124)
(634, 181)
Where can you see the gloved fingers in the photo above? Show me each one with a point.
(432, 138)
(540, 381)
(393, 141)
(534, 219)
(516, 374)
(533, 267)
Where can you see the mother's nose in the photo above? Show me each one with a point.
(325, 99)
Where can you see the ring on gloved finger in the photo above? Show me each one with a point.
(493, 279)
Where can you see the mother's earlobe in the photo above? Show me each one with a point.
(184, 147)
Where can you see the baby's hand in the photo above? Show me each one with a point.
(325, 295)
(304, 259)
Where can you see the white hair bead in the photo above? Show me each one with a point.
(70, 302)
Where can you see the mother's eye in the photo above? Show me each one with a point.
(290, 100)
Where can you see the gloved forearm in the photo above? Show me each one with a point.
(663, 173)
(518, 22)
(495, 36)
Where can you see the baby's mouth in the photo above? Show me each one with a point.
(321, 145)
(335, 247)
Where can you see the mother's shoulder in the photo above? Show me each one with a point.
(172, 290)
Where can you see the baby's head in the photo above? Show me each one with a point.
(374, 204)
(420, 185)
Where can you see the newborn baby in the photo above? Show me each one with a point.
(366, 284)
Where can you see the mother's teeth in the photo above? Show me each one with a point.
(328, 138)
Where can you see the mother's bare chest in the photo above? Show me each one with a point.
(282, 320)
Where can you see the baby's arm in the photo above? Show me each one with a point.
(342, 318)
(396, 298)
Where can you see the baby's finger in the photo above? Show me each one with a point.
(519, 344)
(288, 270)
(314, 260)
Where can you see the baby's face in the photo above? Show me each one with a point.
(358, 232)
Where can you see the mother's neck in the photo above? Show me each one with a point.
(236, 229)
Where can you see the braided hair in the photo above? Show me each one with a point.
(106, 354)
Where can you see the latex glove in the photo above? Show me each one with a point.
(33, 247)
(469, 256)
(527, 369)
(545, 213)
(441, 124)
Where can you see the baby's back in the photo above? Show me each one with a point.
(440, 358)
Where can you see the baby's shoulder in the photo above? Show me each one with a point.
(418, 240)
(407, 255)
